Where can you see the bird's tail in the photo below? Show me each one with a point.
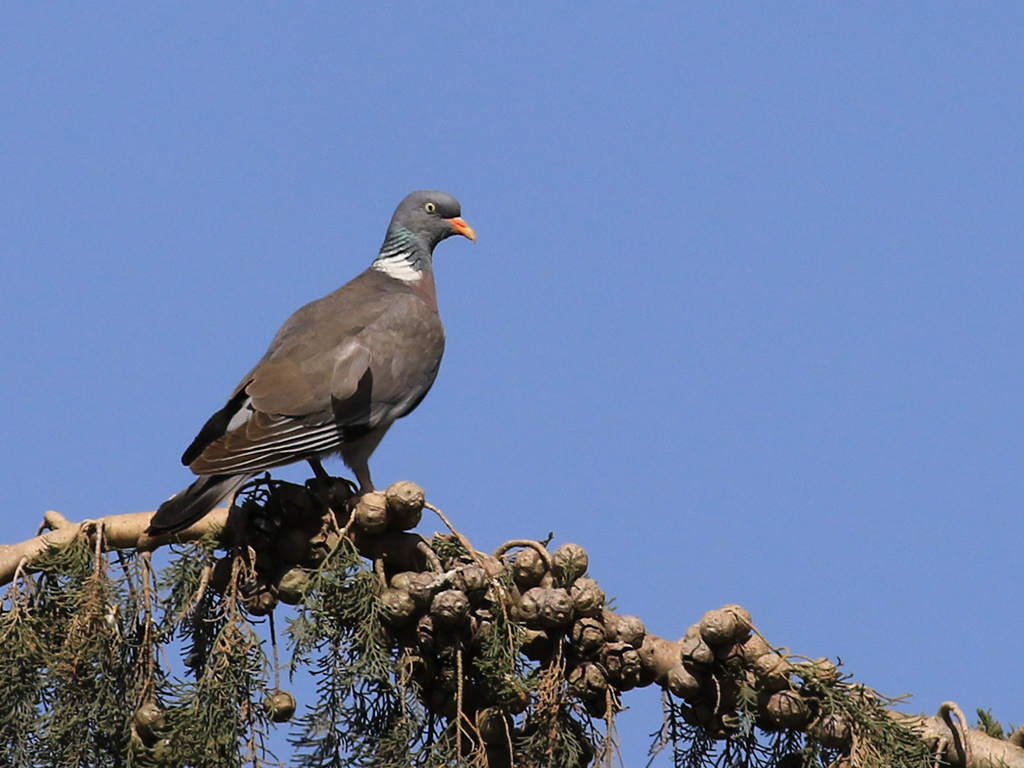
(189, 505)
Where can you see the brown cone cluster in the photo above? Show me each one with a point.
(444, 611)
(291, 529)
(728, 669)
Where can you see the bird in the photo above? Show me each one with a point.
(337, 374)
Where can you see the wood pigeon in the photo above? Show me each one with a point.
(337, 374)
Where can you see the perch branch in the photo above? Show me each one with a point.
(125, 531)
(721, 662)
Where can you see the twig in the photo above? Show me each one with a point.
(535, 545)
(423, 546)
(273, 645)
(462, 539)
(378, 568)
(947, 709)
(458, 702)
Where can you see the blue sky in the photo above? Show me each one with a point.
(743, 319)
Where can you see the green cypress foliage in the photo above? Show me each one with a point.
(421, 653)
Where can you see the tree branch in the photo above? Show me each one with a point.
(125, 531)
(721, 673)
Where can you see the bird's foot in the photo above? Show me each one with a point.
(338, 493)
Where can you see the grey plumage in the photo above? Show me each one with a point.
(338, 373)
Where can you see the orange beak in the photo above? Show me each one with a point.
(462, 228)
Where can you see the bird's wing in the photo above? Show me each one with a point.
(323, 383)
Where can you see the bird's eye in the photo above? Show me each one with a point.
(429, 207)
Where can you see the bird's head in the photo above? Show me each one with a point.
(431, 217)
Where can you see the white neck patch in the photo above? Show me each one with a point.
(398, 267)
